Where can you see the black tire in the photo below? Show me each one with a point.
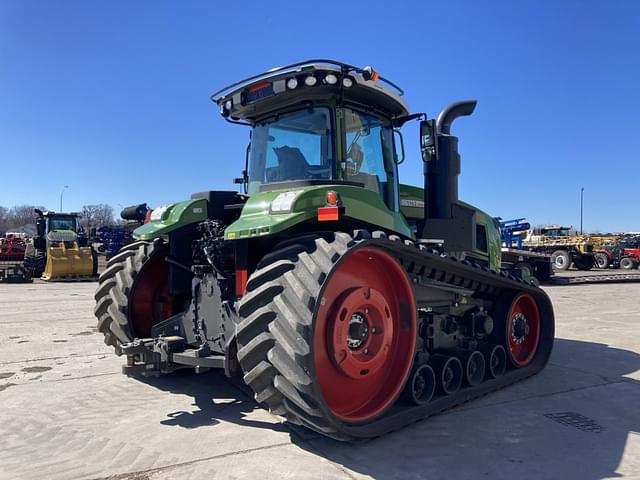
(34, 264)
(601, 260)
(584, 262)
(114, 286)
(561, 260)
(274, 333)
(543, 270)
(626, 263)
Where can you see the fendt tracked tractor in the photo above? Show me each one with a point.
(350, 304)
(60, 248)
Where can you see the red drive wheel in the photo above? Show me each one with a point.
(522, 330)
(364, 335)
(150, 299)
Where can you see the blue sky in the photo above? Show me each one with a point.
(111, 98)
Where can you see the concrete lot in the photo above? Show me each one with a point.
(67, 412)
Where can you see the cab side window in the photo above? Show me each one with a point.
(369, 153)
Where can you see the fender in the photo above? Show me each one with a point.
(169, 218)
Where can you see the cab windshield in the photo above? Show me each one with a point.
(62, 223)
(556, 232)
(293, 146)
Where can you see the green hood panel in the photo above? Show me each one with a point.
(171, 217)
(62, 236)
(360, 204)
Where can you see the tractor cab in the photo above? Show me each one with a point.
(53, 228)
(313, 123)
(556, 231)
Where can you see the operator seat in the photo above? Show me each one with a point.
(370, 182)
(291, 163)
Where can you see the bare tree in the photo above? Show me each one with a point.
(97, 215)
(22, 215)
(4, 212)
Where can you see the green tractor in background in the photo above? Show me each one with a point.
(350, 303)
(60, 248)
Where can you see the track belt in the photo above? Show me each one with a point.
(422, 262)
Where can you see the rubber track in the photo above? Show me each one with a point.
(276, 325)
(34, 264)
(114, 287)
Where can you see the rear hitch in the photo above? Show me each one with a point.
(151, 356)
(154, 356)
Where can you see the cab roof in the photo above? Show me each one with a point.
(309, 81)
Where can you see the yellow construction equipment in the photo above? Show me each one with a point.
(60, 250)
(65, 262)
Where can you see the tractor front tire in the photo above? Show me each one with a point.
(626, 263)
(561, 260)
(115, 284)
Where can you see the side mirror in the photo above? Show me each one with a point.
(428, 146)
(41, 226)
(398, 155)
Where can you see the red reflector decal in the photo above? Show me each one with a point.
(328, 214)
(258, 86)
(241, 282)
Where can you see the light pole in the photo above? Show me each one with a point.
(61, 193)
(581, 207)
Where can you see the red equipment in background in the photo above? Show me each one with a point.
(12, 249)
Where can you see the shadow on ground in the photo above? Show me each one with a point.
(570, 421)
(215, 399)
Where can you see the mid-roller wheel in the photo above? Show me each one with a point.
(449, 373)
(495, 360)
(421, 385)
(474, 368)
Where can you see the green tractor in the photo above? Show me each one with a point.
(60, 248)
(349, 303)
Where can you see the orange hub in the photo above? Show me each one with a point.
(150, 300)
(365, 335)
(523, 330)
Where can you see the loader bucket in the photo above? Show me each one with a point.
(68, 262)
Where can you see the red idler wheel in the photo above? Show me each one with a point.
(522, 330)
(364, 335)
(150, 300)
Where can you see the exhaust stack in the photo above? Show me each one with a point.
(441, 173)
